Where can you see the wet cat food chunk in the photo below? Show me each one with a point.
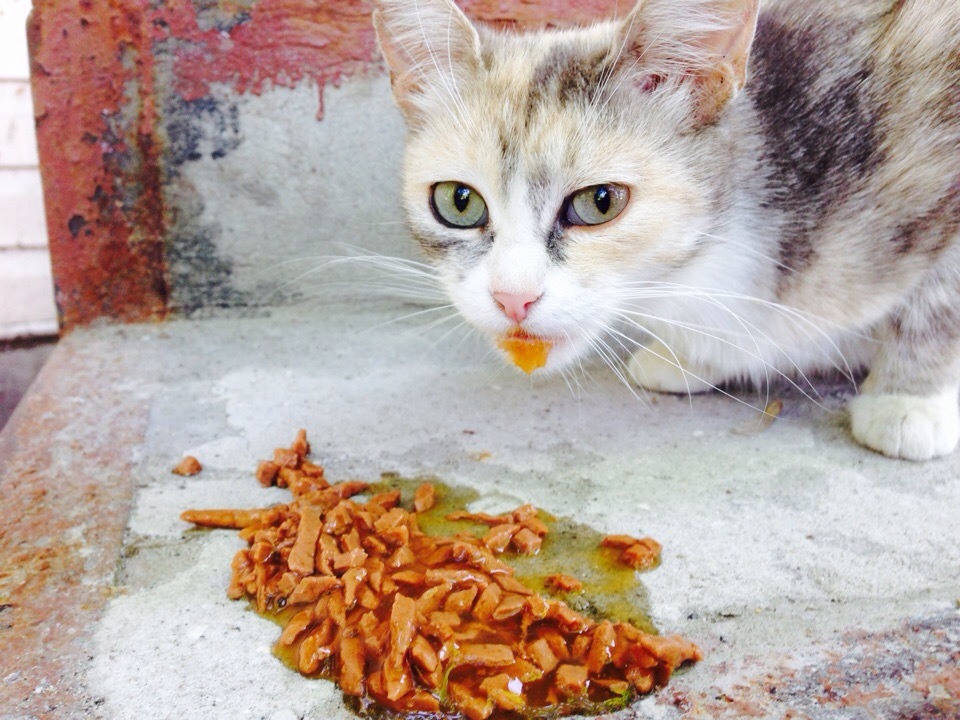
(640, 554)
(526, 351)
(188, 466)
(564, 583)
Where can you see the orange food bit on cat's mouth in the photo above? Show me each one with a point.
(527, 351)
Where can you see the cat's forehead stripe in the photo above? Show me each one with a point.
(567, 75)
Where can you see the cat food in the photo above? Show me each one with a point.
(526, 351)
(564, 583)
(188, 466)
(422, 624)
(640, 554)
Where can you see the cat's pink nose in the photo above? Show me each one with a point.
(515, 305)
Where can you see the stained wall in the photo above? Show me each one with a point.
(200, 157)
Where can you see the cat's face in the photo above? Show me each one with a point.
(547, 176)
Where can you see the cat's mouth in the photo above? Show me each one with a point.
(528, 352)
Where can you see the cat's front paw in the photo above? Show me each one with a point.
(911, 427)
(657, 368)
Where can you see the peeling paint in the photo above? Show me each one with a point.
(250, 46)
(186, 128)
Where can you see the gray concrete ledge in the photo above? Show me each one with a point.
(820, 580)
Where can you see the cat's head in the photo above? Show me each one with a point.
(548, 173)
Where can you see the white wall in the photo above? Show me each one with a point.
(26, 285)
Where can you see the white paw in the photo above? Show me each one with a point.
(911, 427)
(657, 368)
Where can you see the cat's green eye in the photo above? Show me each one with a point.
(457, 205)
(596, 204)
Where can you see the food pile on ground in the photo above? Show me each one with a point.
(426, 624)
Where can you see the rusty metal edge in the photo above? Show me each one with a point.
(65, 497)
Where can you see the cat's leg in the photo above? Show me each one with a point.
(656, 367)
(908, 405)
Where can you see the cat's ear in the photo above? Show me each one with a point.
(703, 44)
(428, 45)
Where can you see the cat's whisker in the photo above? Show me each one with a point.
(803, 321)
(422, 329)
(612, 361)
(471, 332)
(675, 361)
(749, 328)
(619, 366)
(449, 331)
(447, 80)
(611, 330)
(409, 278)
(362, 260)
(813, 395)
(583, 371)
(782, 351)
(712, 333)
(383, 286)
(730, 294)
(640, 346)
(567, 377)
(703, 330)
(753, 251)
(363, 256)
(410, 316)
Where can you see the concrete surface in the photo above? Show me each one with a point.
(820, 580)
(19, 364)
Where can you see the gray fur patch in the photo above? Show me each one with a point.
(566, 77)
(932, 231)
(554, 243)
(823, 136)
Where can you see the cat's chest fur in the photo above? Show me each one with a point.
(717, 190)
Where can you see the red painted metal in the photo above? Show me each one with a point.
(269, 43)
(92, 81)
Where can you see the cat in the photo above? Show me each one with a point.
(716, 191)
